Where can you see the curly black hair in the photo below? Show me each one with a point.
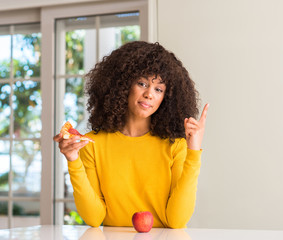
(109, 82)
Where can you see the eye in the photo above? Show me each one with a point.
(142, 84)
(159, 90)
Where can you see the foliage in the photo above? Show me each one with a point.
(74, 52)
(4, 178)
(27, 109)
(26, 101)
(73, 219)
(5, 90)
(5, 69)
(17, 210)
(26, 97)
(127, 34)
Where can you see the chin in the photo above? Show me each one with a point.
(145, 116)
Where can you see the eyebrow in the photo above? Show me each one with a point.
(155, 78)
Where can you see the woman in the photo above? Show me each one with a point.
(146, 155)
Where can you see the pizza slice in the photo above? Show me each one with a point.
(68, 132)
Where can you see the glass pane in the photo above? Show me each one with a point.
(127, 34)
(5, 49)
(5, 109)
(5, 167)
(26, 51)
(75, 34)
(117, 30)
(26, 165)
(74, 103)
(25, 214)
(3, 215)
(27, 109)
(75, 51)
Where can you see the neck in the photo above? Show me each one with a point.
(136, 128)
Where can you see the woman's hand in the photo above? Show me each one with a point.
(69, 147)
(195, 129)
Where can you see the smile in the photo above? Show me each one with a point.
(145, 105)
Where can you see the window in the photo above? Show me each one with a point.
(68, 38)
(81, 42)
(20, 125)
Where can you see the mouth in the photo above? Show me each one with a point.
(144, 105)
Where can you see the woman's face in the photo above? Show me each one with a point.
(145, 96)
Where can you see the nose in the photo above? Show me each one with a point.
(148, 93)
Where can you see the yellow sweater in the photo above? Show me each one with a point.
(119, 175)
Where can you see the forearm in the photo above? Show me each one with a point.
(181, 202)
(89, 204)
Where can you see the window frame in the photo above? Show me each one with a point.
(10, 18)
(48, 18)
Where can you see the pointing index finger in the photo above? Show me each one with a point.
(204, 113)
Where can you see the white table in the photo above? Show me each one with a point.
(50, 232)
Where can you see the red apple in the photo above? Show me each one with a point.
(142, 221)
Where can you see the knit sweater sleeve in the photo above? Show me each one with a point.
(185, 172)
(87, 194)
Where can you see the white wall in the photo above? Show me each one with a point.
(233, 50)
